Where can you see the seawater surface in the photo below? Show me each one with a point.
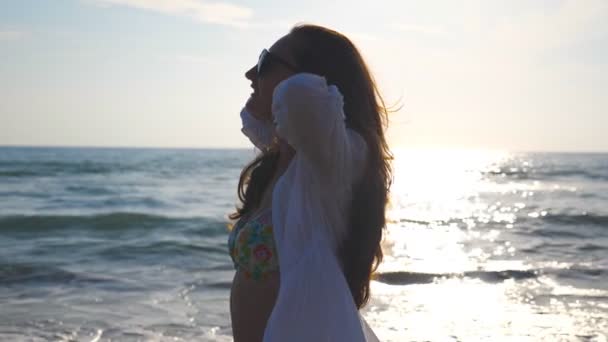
(100, 244)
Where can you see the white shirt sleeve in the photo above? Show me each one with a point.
(308, 113)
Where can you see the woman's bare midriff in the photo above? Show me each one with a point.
(251, 302)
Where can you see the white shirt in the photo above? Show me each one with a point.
(309, 214)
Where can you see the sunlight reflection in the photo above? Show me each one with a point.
(431, 185)
(432, 190)
(452, 269)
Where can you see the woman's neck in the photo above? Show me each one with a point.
(286, 153)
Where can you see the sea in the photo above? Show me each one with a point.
(130, 244)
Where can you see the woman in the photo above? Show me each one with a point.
(309, 229)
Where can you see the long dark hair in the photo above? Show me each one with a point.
(325, 52)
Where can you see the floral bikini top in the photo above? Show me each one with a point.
(251, 246)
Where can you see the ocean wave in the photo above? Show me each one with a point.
(546, 232)
(590, 247)
(115, 221)
(577, 219)
(563, 225)
(223, 285)
(409, 278)
(91, 190)
(18, 169)
(539, 174)
(547, 297)
(577, 272)
(162, 248)
(41, 273)
(214, 167)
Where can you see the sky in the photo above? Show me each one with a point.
(513, 75)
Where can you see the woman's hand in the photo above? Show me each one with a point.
(303, 104)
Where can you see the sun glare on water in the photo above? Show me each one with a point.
(452, 271)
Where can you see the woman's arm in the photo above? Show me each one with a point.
(309, 115)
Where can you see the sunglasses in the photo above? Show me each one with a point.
(267, 58)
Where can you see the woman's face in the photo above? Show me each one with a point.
(273, 72)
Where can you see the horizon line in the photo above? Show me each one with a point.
(252, 147)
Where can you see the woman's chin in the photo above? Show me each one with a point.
(251, 104)
(253, 107)
(250, 101)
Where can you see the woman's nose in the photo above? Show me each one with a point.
(251, 73)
